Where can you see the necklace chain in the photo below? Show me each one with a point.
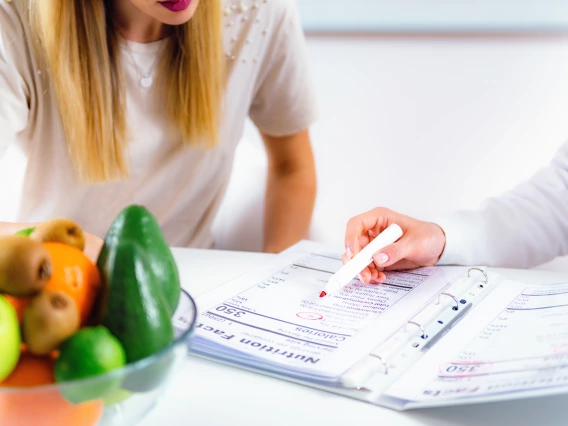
(146, 79)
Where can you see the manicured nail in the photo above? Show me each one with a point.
(359, 277)
(381, 258)
(349, 252)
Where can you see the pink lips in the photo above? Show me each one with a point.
(176, 5)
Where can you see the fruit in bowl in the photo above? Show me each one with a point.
(49, 320)
(9, 338)
(25, 266)
(81, 338)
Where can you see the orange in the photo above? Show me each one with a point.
(37, 406)
(31, 371)
(19, 303)
(74, 274)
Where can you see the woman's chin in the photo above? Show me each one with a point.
(170, 16)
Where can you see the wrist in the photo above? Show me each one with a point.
(278, 246)
(439, 242)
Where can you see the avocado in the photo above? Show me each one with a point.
(135, 310)
(136, 313)
(135, 223)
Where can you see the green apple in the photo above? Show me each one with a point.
(9, 338)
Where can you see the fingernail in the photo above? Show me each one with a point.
(349, 252)
(359, 277)
(381, 258)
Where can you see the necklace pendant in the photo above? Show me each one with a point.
(146, 81)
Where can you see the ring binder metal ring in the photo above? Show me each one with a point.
(480, 270)
(457, 306)
(382, 362)
(420, 326)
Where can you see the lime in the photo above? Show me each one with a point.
(92, 351)
(116, 397)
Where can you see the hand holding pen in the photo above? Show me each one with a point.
(421, 244)
(361, 260)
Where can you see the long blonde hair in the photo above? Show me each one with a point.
(80, 47)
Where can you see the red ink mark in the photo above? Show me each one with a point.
(464, 368)
(561, 349)
(323, 294)
(312, 316)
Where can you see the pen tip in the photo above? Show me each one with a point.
(323, 294)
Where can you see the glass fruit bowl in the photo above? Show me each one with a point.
(120, 397)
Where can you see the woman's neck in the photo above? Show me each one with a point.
(135, 25)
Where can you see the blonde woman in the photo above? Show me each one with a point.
(104, 103)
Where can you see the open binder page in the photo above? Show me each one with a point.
(513, 344)
(272, 318)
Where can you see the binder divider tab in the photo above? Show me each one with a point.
(375, 371)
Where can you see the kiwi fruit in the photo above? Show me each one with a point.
(60, 230)
(25, 266)
(50, 318)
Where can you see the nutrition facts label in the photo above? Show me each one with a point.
(286, 310)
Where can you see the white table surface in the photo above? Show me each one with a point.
(205, 393)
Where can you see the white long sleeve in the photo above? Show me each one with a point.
(524, 227)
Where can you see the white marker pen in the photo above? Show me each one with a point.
(352, 268)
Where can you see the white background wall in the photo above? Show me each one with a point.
(421, 125)
(408, 15)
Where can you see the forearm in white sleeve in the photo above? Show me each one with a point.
(523, 228)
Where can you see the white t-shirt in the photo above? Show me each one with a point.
(268, 80)
(523, 228)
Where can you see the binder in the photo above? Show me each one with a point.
(424, 361)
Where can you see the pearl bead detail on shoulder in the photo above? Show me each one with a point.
(249, 11)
